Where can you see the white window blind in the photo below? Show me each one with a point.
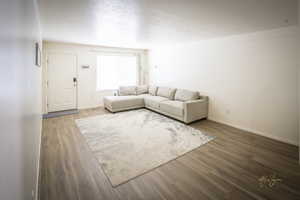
(116, 70)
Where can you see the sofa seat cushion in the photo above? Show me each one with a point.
(172, 107)
(123, 102)
(144, 95)
(186, 95)
(153, 101)
(166, 92)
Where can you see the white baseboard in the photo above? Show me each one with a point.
(280, 139)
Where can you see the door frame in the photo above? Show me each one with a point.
(47, 53)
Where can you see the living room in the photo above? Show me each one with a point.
(148, 99)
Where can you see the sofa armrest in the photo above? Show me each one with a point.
(195, 109)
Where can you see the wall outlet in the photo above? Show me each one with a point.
(227, 111)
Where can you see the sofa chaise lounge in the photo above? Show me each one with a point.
(184, 105)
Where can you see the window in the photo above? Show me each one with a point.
(116, 70)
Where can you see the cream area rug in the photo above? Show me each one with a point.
(128, 144)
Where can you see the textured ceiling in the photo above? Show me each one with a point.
(140, 23)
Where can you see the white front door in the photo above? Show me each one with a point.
(62, 81)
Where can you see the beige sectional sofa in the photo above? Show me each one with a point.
(183, 105)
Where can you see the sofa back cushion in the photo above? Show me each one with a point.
(142, 89)
(166, 92)
(186, 95)
(127, 90)
(152, 90)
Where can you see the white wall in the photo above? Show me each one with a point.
(251, 79)
(20, 97)
(88, 97)
(299, 72)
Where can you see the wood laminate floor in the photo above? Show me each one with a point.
(226, 168)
